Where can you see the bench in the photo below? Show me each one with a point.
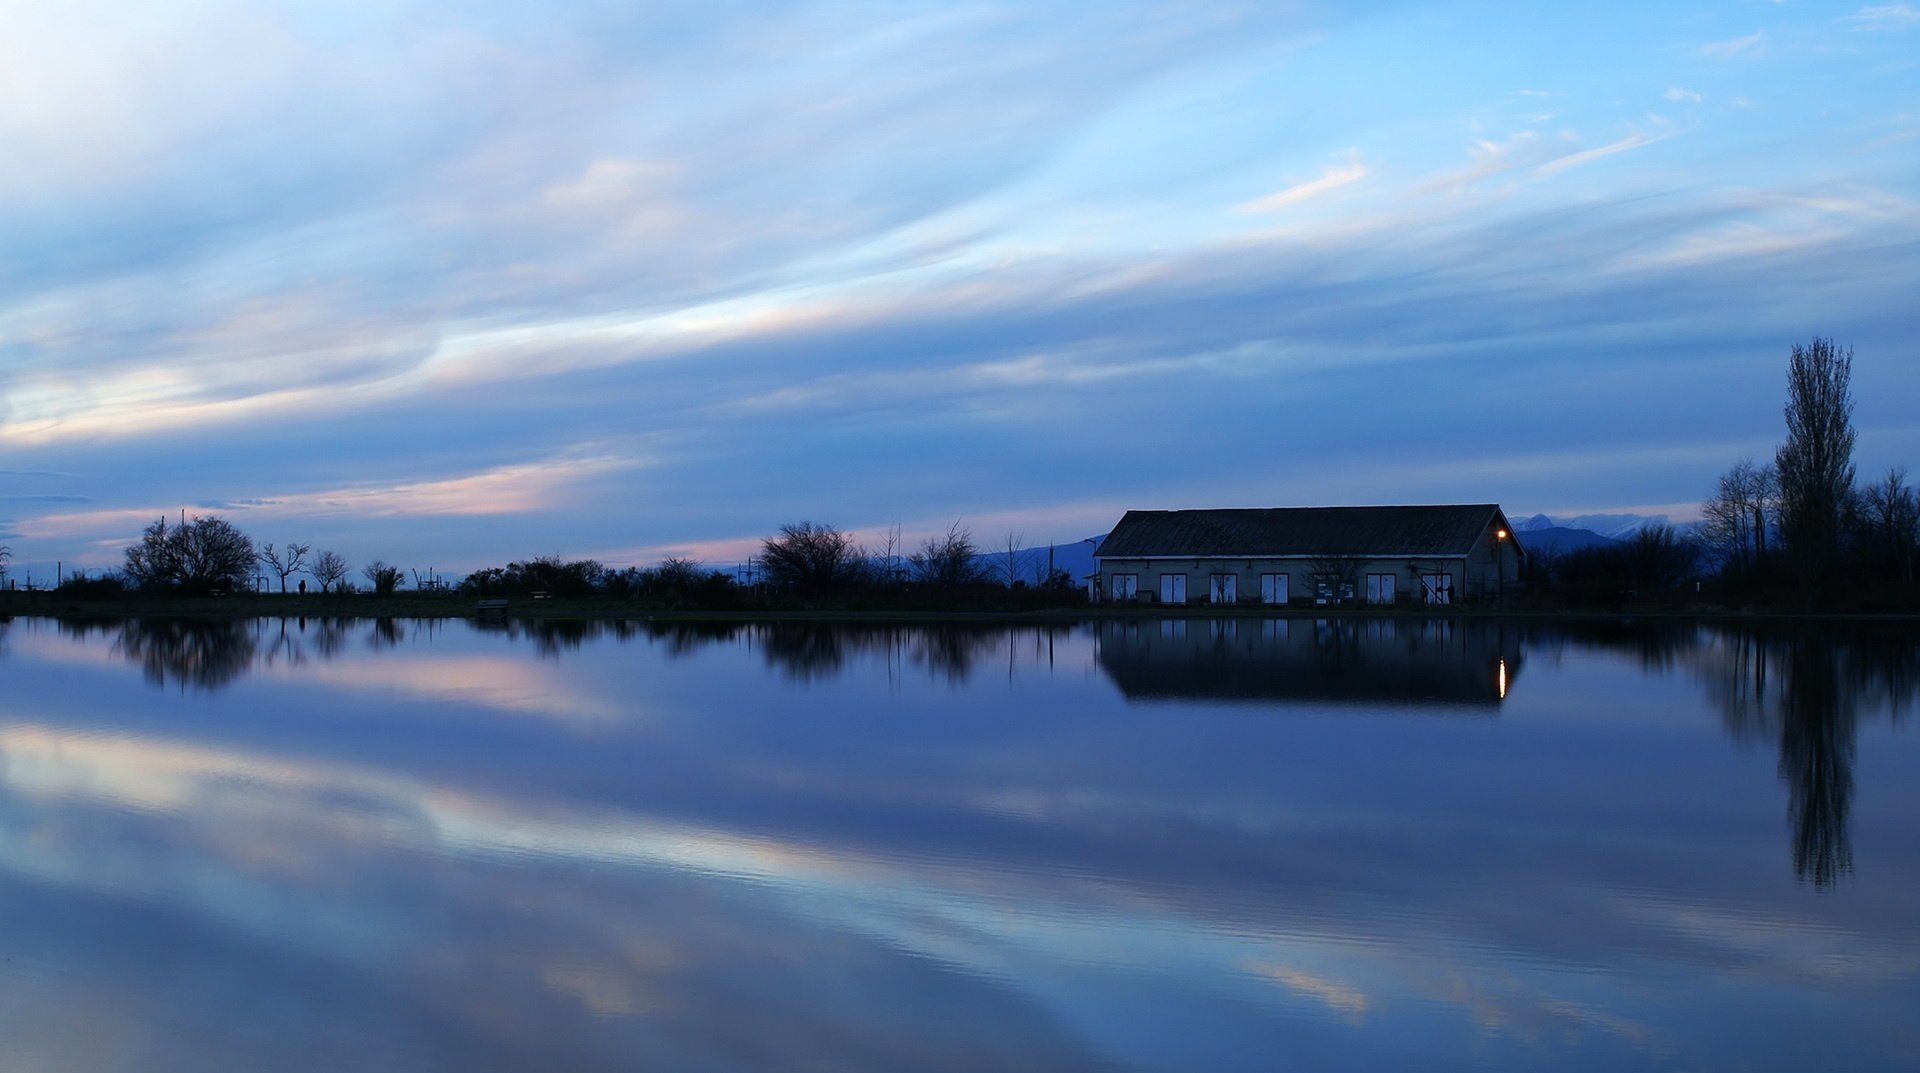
(486, 606)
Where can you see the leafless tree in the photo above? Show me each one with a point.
(6, 556)
(1892, 513)
(890, 558)
(947, 560)
(203, 555)
(1344, 573)
(1011, 558)
(285, 562)
(1815, 463)
(810, 556)
(329, 569)
(679, 573)
(1737, 517)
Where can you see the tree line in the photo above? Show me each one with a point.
(805, 564)
(1797, 531)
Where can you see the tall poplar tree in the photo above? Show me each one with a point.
(1815, 464)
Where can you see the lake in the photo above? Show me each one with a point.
(1243, 844)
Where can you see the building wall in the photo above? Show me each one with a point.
(1491, 570)
(1247, 573)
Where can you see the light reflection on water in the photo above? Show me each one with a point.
(1236, 844)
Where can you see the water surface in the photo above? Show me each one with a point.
(1225, 845)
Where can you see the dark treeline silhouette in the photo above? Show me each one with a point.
(1657, 562)
(1800, 532)
(806, 566)
(1794, 533)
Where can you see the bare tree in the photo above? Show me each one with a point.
(329, 569)
(1816, 461)
(1010, 559)
(285, 563)
(810, 556)
(1737, 517)
(1892, 513)
(947, 560)
(6, 556)
(1342, 575)
(383, 577)
(890, 559)
(204, 555)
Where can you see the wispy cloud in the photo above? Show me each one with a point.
(1885, 18)
(1749, 45)
(1332, 177)
(509, 489)
(1635, 140)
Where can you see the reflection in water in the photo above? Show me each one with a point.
(1816, 759)
(1806, 691)
(1402, 661)
(204, 654)
(1802, 690)
(721, 846)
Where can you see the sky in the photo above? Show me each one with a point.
(451, 285)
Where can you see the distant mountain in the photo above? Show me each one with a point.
(1558, 540)
(1075, 558)
(1611, 526)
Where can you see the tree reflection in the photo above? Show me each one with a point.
(205, 654)
(1807, 691)
(1816, 759)
(807, 651)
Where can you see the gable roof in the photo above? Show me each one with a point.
(1374, 532)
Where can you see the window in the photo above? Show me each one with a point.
(1126, 586)
(1173, 588)
(1437, 588)
(1332, 589)
(1225, 589)
(1380, 589)
(1273, 588)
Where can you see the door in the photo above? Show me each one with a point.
(1173, 588)
(1380, 588)
(1226, 589)
(1273, 588)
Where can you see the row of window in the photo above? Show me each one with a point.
(1327, 588)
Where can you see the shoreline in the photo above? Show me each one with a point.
(52, 605)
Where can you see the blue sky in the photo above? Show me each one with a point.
(457, 284)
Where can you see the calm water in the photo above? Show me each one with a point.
(1247, 845)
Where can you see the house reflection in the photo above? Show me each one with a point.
(1383, 660)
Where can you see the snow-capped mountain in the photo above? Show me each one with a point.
(1611, 526)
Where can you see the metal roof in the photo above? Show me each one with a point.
(1374, 532)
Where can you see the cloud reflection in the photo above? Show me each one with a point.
(799, 860)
